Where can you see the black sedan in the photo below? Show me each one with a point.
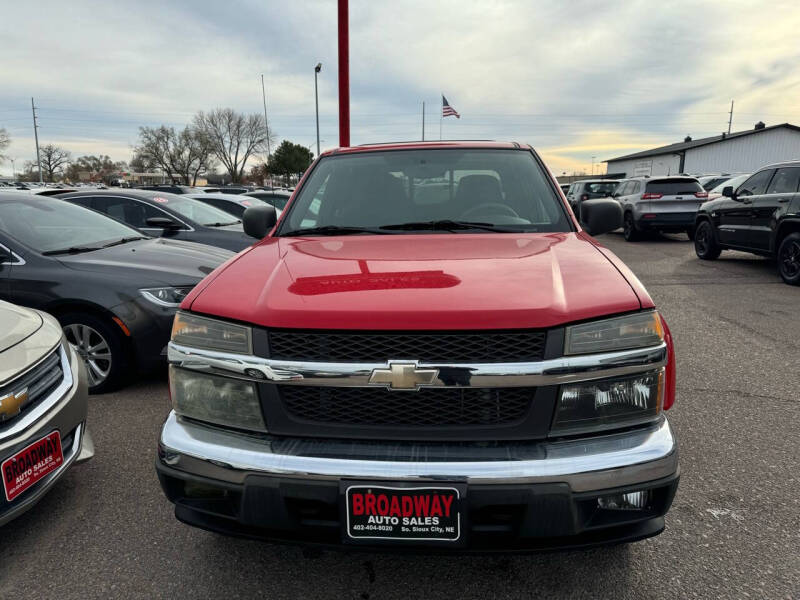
(114, 290)
(233, 204)
(167, 215)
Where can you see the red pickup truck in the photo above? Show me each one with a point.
(426, 351)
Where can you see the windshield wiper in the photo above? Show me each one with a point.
(221, 224)
(331, 230)
(442, 225)
(124, 240)
(72, 250)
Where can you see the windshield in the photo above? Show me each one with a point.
(46, 225)
(502, 189)
(195, 210)
(674, 187)
(606, 187)
(733, 181)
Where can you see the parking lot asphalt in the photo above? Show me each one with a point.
(734, 530)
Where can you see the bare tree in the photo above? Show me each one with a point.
(53, 159)
(234, 137)
(5, 142)
(187, 153)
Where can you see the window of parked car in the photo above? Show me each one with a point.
(606, 187)
(757, 184)
(51, 225)
(673, 187)
(623, 188)
(127, 210)
(786, 181)
(506, 188)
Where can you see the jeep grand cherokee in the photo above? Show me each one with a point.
(427, 351)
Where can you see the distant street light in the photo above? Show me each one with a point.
(317, 69)
(13, 170)
(593, 164)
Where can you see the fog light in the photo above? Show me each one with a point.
(630, 501)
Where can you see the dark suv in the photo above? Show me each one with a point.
(761, 216)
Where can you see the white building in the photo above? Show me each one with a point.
(738, 152)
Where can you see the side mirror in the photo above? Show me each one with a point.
(162, 223)
(258, 221)
(601, 215)
(727, 191)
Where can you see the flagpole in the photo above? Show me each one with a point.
(423, 120)
(441, 112)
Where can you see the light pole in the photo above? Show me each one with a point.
(13, 170)
(593, 165)
(317, 69)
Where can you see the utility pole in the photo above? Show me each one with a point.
(730, 118)
(344, 73)
(36, 135)
(423, 120)
(317, 69)
(593, 165)
(266, 123)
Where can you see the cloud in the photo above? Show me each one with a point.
(576, 79)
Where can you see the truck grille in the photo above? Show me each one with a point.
(436, 347)
(39, 383)
(428, 407)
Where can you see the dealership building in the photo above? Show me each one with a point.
(737, 152)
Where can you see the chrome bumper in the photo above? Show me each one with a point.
(587, 464)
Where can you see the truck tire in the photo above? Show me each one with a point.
(705, 246)
(789, 259)
(629, 231)
(101, 347)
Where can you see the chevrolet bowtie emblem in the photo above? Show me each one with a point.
(403, 376)
(11, 404)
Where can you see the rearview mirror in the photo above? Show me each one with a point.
(258, 221)
(727, 191)
(601, 215)
(162, 223)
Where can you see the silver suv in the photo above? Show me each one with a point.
(43, 397)
(666, 204)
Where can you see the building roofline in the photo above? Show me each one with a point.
(683, 146)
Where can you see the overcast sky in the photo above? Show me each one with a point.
(576, 79)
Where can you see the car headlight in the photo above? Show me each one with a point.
(609, 403)
(218, 400)
(211, 334)
(637, 330)
(166, 296)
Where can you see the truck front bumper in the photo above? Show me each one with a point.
(519, 495)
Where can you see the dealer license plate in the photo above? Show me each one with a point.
(430, 514)
(31, 464)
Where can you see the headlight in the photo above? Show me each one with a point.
(166, 296)
(201, 332)
(219, 400)
(609, 403)
(620, 333)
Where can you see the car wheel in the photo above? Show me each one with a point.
(789, 259)
(690, 234)
(629, 230)
(101, 347)
(705, 246)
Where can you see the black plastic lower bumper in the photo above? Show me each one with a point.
(499, 518)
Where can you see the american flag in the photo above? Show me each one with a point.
(447, 110)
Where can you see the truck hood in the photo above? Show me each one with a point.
(430, 281)
(17, 323)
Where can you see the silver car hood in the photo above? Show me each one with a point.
(16, 324)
